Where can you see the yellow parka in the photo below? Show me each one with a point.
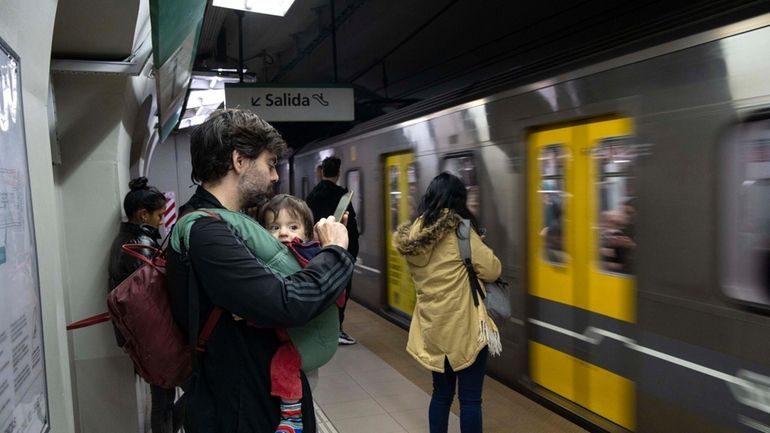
(445, 322)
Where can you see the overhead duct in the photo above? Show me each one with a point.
(132, 66)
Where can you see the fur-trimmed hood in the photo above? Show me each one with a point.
(416, 242)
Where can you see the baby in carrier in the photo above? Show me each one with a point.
(289, 220)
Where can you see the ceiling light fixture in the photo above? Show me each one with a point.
(267, 7)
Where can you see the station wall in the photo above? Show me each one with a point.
(27, 27)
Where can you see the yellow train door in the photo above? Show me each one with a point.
(400, 206)
(580, 266)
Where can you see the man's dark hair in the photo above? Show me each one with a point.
(330, 166)
(212, 143)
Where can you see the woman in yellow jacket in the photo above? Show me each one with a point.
(449, 335)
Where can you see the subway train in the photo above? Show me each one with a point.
(629, 202)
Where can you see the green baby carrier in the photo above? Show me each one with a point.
(316, 341)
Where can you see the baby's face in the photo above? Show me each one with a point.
(285, 227)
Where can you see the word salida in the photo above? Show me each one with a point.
(286, 99)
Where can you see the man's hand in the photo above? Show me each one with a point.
(330, 232)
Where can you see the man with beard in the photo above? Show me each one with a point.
(233, 155)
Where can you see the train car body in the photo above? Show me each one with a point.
(629, 203)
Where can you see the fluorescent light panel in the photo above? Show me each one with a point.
(207, 93)
(268, 7)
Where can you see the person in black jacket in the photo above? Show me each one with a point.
(233, 157)
(323, 200)
(144, 206)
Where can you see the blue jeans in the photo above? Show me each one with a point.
(470, 382)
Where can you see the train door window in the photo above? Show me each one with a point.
(305, 186)
(353, 183)
(552, 161)
(395, 196)
(400, 178)
(464, 167)
(614, 158)
(411, 175)
(745, 209)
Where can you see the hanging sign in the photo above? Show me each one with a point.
(332, 103)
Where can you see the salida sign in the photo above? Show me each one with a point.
(288, 99)
(287, 104)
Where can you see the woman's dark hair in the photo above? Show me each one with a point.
(295, 206)
(446, 191)
(212, 143)
(142, 196)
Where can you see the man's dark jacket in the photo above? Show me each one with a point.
(230, 393)
(323, 200)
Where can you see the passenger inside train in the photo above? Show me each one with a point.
(617, 238)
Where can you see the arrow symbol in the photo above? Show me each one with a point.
(255, 101)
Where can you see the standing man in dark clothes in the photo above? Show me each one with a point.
(323, 201)
(233, 157)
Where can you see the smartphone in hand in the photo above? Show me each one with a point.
(342, 206)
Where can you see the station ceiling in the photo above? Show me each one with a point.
(398, 52)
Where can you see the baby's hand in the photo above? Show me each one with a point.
(237, 318)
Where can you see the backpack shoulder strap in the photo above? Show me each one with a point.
(180, 235)
(464, 239)
(464, 243)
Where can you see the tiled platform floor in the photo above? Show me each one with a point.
(376, 387)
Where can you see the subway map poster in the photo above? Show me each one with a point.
(23, 397)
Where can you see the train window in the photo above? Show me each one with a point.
(411, 175)
(395, 196)
(552, 162)
(305, 187)
(353, 183)
(616, 205)
(464, 167)
(745, 212)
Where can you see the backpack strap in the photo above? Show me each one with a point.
(93, 320)
(208, 328)
(135, 251)
(464, 239)
(195, 339)
(464, 243)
